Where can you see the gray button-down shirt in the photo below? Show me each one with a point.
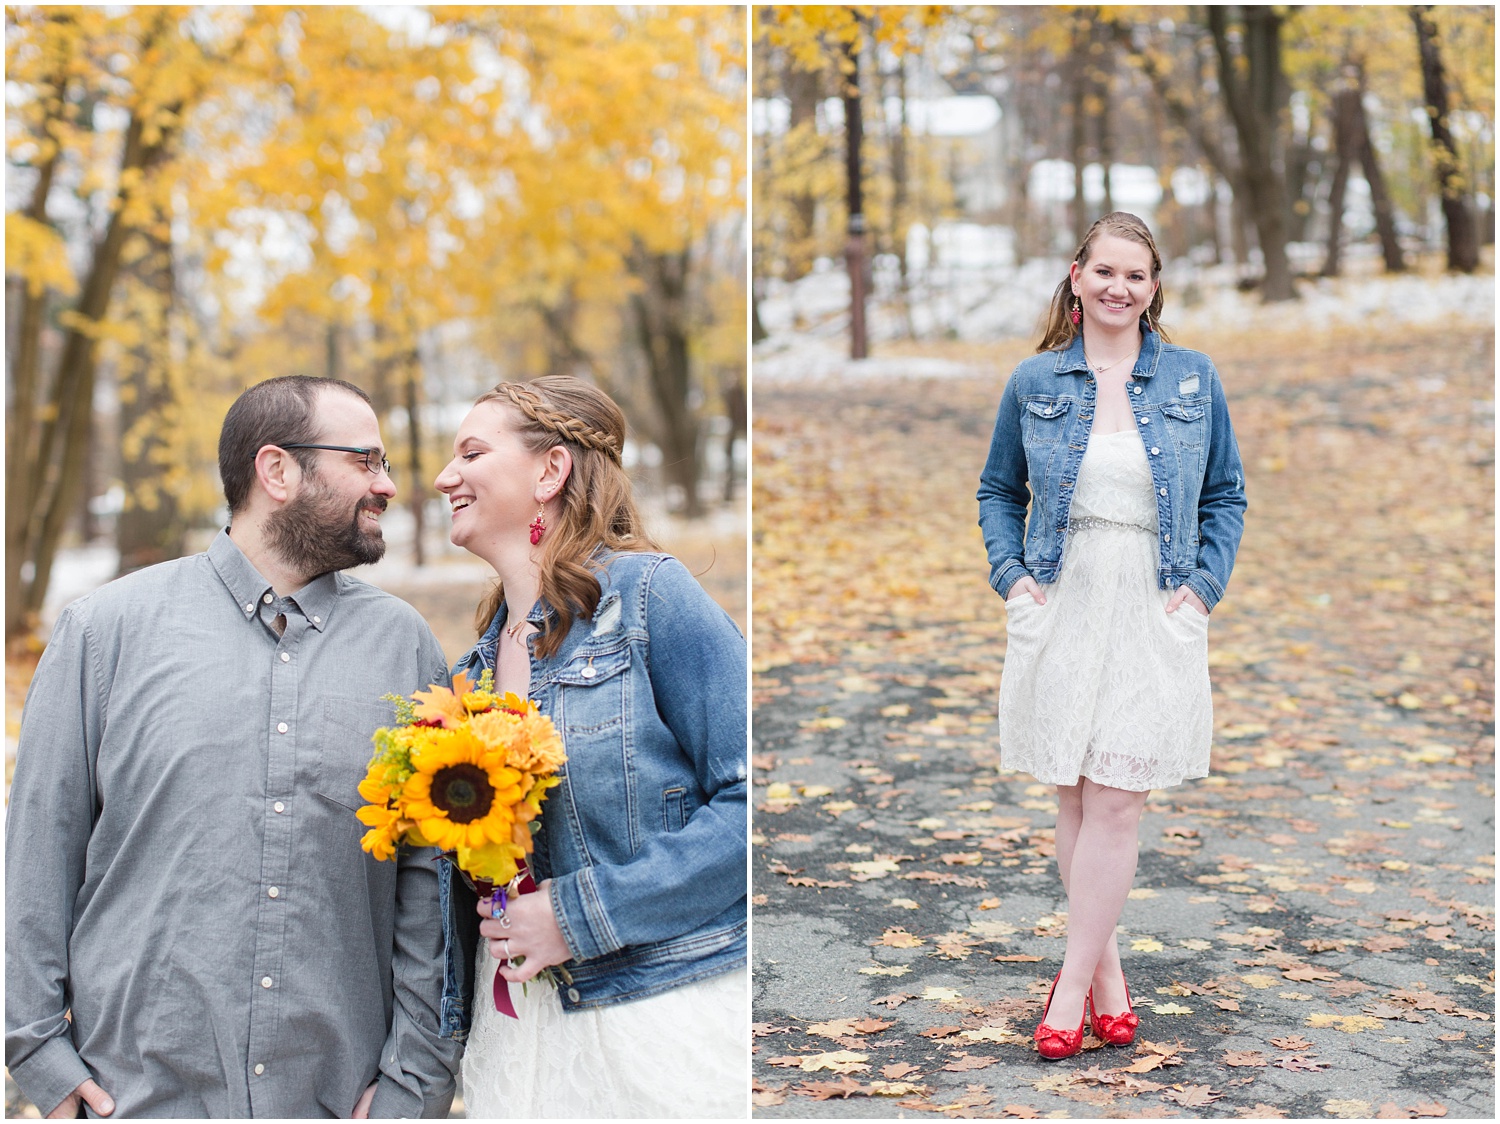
(183, 868)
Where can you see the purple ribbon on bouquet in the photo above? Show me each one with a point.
(498, 901)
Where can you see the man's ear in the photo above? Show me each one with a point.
(277, 472)
(558, 464)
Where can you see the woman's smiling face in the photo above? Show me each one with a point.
(1114, 285)
(491, 482)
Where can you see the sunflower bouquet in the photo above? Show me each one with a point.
(464, 770)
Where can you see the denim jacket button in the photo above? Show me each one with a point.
(588, 673)
(573, 994)
(1145, 421)
(1163, 491)
(1166, 538)
(1155, 452)
(1136, 389)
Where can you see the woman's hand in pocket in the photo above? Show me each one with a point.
(1029, 586)
(1184, 594)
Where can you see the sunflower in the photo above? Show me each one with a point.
(461, 794)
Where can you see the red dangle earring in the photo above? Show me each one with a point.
(538, 526)
(1076, 314)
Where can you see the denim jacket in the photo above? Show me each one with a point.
(1040, 435)
(644, 839)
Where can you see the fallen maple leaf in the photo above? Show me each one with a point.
(760, 1030)
(886, 970)
(940, 1031)
(767, 1099)
(1429, 1108)
(897, 937)
(894, 999)
(1227, 1004)
(1391, 1111)
(897, 1070)
(1291, 1042)
(1245, 1058)
(1017, 958)
(872, 1026)
(1347, 1109)
(964, 1062)
(1171, 1009)
(1300, 1063)
(838, 1061)
(1020, 1112)
(1259, 1112)
(1191, 1096)
(844, 1087)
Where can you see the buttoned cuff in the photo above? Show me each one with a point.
(581, 917)
(393, 1102)
(51, 1072)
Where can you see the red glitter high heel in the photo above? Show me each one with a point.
(1115, 1030)
(1054, 1044)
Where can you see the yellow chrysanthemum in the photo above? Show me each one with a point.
(460, 795)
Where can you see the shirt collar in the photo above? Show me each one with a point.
(1070, 360)
(316, 599)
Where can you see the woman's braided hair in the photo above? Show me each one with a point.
(595, 507)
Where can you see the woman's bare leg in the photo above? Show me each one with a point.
(1109, 975)
(1097, 844)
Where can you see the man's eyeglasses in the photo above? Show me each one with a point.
(375, 460)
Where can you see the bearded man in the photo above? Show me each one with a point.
(192, 928)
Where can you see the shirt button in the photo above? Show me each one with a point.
(268, 599)
(317, 620)
(273, 892)
(573, 994)
(285, 658)
(281, 727)
(265, 981)
(278, 807)
(249, 606)
(259, 1069)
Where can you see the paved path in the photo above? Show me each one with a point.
(1311, 932)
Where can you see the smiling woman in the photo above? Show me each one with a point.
(639, 864)
(1114, 444)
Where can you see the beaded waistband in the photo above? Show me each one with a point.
(1088, 522)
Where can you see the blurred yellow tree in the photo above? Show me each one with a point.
(263, 191)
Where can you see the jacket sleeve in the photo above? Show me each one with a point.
(47, 829)
(1004, 495)
(679, 880)
(417, 1064)
(1221, 505)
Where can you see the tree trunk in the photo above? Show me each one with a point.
(1380, 196)
(900, 219)
(418, 490)
(854, 130)
(804, 89)
(1077, 144)
(150, 529)
(55, 474)
(660, 313)
(1463, 242)
(1344, 106)
(1254, 104)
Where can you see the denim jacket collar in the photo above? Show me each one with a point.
(1071, 360)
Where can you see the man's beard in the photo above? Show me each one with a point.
(316, 534)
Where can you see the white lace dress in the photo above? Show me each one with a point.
(1102, 682)
(681, 1053)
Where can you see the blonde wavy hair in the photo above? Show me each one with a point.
(1059, 330)
(595, 508)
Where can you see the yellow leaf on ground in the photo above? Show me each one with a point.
(1146, 944)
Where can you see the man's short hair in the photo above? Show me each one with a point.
(275, 412)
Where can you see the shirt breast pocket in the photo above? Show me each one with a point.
(345, 747)
(592, 714)
(1187, 422)
(1044, 421)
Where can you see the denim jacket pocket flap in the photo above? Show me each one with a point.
(591, 669)
(1047, 408)
(1183, 411)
